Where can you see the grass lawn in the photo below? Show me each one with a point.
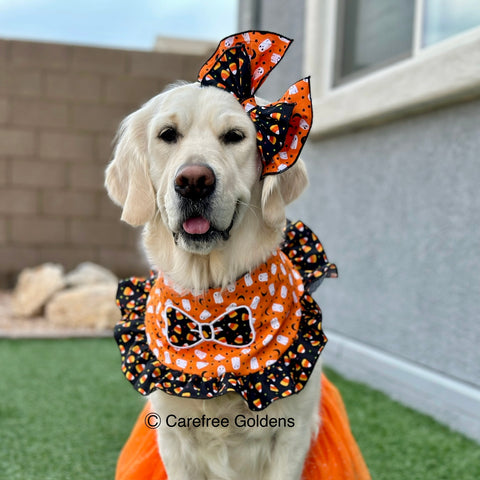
(66, 410)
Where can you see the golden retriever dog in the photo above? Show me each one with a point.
(187, 167)
(224, 338)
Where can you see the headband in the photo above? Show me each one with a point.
(240, 65)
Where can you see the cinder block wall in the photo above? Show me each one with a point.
(60, 106)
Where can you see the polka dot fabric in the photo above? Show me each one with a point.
(259, 337)
(240, 65)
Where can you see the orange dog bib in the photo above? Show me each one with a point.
(260, 337)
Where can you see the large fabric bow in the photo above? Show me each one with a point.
(233, 328)
(240, 65)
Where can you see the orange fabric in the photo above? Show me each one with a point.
(270, 295)
(265, 50)
(139, 458)
(334, 455)
(240, 65)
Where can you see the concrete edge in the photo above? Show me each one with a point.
(449, 401)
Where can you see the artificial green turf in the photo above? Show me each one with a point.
(399, 443)
(66, 410)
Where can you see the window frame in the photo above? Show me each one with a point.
(434, 75)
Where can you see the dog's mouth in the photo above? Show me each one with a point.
(196, 225)
(198, 231)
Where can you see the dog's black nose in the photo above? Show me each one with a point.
(195, 182)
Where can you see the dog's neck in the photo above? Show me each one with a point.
(242, 253)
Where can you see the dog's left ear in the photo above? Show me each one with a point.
(280, 190)
(127, 177)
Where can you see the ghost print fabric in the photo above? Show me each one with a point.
(260, 337)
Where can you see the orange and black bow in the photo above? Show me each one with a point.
(240, 65)
(233, 328)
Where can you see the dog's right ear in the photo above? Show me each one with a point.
(127, 177)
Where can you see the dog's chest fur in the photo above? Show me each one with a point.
(232, 452)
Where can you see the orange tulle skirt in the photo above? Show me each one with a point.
(334, 455)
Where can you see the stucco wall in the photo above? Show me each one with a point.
(285, 18)
(60, 106)
(397, 207)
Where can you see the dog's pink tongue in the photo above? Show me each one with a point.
(196, 225)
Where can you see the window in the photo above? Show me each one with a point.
(445, 18)
(374, 33)
(374, 60)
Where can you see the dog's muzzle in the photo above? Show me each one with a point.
(195, 187)
(195, 184)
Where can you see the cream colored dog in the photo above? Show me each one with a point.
(186, 166)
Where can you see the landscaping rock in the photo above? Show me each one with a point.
(34, 288)
(88, 273)
(85, 306)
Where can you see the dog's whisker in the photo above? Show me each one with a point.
(252, 208)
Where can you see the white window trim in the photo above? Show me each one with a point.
(442, 73)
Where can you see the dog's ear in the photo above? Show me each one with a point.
(280, 190)
(127, 177)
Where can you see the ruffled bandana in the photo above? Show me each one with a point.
(260, 337)
(240, 65)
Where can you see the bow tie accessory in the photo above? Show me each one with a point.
(233, 328)
(240, 65)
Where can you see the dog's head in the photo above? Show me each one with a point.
(189, 160)
(207, 171)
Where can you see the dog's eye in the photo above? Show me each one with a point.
(233, 136)
(169, 135)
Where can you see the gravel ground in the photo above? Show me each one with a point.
(37, 327)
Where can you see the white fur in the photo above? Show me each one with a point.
(141, 179)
